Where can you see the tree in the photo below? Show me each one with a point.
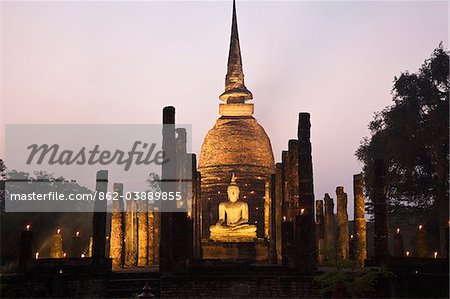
(412, 136)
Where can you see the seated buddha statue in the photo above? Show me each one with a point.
(233, 219)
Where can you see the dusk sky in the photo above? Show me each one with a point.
(122, 62)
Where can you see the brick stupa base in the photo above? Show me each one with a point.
(257, 250)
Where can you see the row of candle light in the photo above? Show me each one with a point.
(302, 211)
(36, 255)
(58, 232)
(419, 229)
(407, 253)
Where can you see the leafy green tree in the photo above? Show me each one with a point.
(412, 136)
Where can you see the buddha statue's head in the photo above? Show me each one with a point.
(233, 190)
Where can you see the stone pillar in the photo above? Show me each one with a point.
(89, 251)
(193, 238)
(197, 210)
(131, 234)
(305, 237)
(286, 207)
(56, 250)
(421, 242)
(99, 219)
(166, 250)
(267, 208)
(151, 238)
(320, 231)
(273, 222)
(25, 249)
(76, 248)
(153, 219)
(142, 234)
(398, 243)
(292, 182)
(446, 252)
(116, 247)
(352, 249)
(381, 241)
(360, 221)
(181, 236)
(279, 193)
(287, 231)
(342, 224)
(157, 235)
(189, 237)
(329, 230)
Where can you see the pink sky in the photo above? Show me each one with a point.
(122, 62)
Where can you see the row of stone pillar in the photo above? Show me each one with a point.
(180, 239)
(333, 232)
(293, 228)
(134, 233)
(171, 238)
(333, 238)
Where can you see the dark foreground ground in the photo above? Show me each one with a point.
(68, 278)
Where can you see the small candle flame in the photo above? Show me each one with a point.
(407, 253)
(398, 230)
(189, 214)
(77, 234)
(28, 227)
(60, 271)
(420, 227)
(435, 254)
(58, 231)
(284, 218)
(351, 236)
(36, 256)
(107, 237)
(83, 255)
(302, 211)
(64, 254)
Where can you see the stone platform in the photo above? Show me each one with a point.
(257, 250)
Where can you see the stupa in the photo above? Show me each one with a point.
(236, 144)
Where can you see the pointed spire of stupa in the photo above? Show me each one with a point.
(235, 90)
